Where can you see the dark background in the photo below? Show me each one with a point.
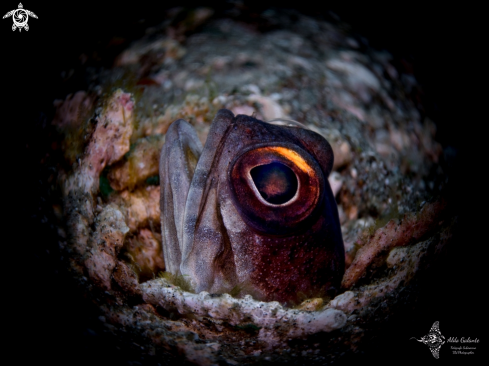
(52, 322)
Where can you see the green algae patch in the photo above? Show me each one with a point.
(177, 280)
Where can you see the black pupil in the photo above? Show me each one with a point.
(276, 182)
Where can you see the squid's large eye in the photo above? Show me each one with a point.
(276, 182)
(276, 188)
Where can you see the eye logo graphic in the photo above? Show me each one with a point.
(433, 339)
(20, 17)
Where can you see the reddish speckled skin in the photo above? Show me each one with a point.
(227, 235)
(288, 269)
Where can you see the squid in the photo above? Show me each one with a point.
(252, 209)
